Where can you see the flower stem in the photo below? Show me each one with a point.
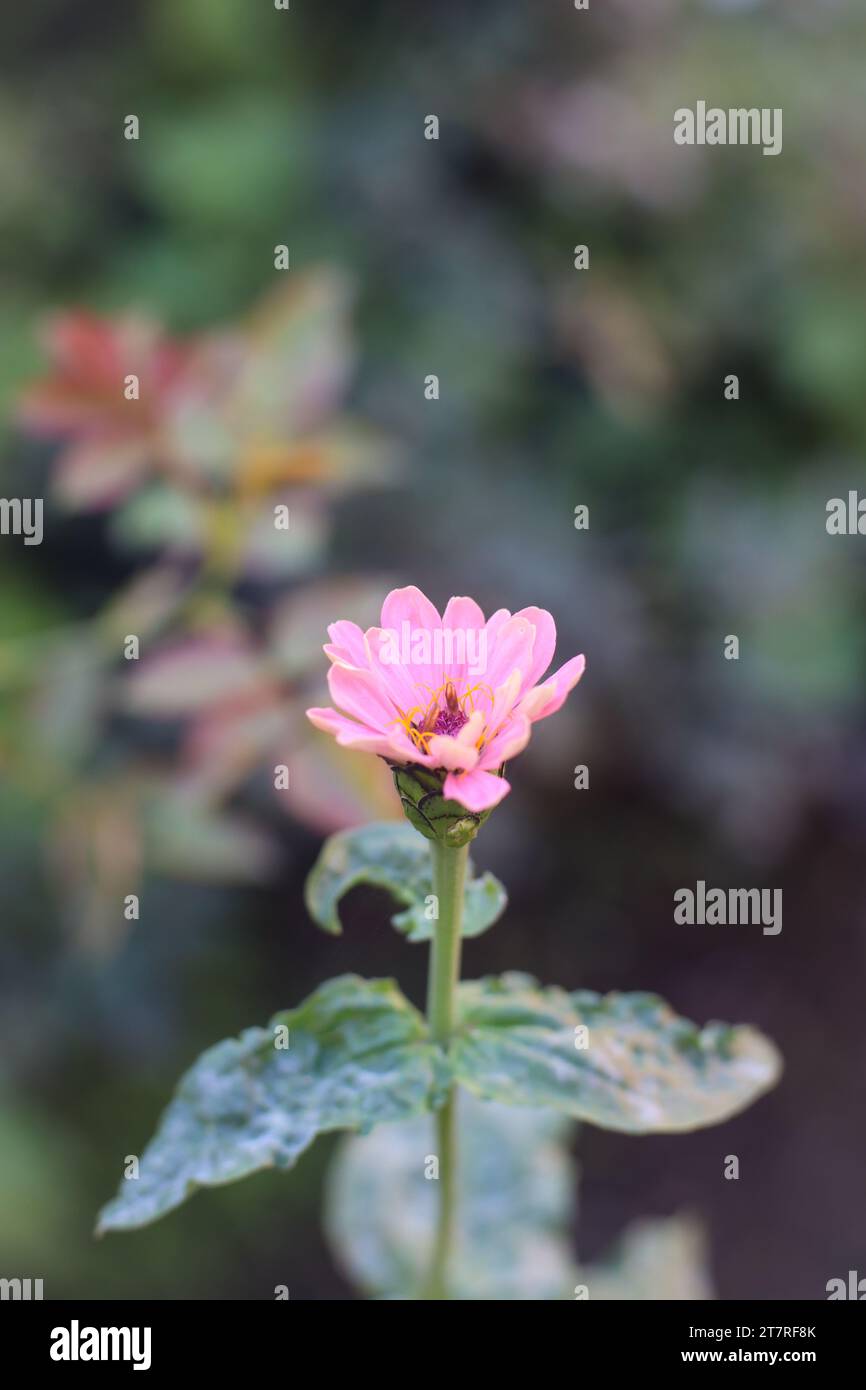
(449, 876)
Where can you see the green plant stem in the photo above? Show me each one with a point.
(449, 877)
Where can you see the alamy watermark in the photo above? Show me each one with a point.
(446, 647)
(729, 907)
(851, 1288)
(77, 1343)
(22, 516)
(20, 1290)
(846, 516)
(741, 125)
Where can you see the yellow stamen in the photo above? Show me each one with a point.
(420, 733)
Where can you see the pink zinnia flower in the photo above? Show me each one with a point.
(457, 693)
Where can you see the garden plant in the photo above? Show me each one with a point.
(463, 1191)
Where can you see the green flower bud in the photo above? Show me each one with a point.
(435, 816)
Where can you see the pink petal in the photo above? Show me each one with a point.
(477, 790)
(472, 729)
(465, 620)
(403, 750)
(543, 647)
(512, 651)
(339, 656)
(463, 612)
(503, 702)
(360, 694)
(412, 607)
(348, 640)
(394, 677)
(547, 698)
(510, 740)
(453, 751)
(349, 734)
(494, 624)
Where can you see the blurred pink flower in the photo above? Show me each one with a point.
(243, 696)
(111, 443)
(220, 426)
(455, 693)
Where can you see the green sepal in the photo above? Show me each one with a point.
(432, 814)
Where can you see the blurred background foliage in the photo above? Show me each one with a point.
(305, 388)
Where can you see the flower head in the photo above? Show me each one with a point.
(452, 697)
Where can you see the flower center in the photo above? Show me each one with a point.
(445, 713)
(450, 721)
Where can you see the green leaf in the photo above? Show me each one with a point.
(192, 840)
(644, 1070)
(391, 855)
(158, 516)
(516, 1184)
(655, 1259)
(357, 1056)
